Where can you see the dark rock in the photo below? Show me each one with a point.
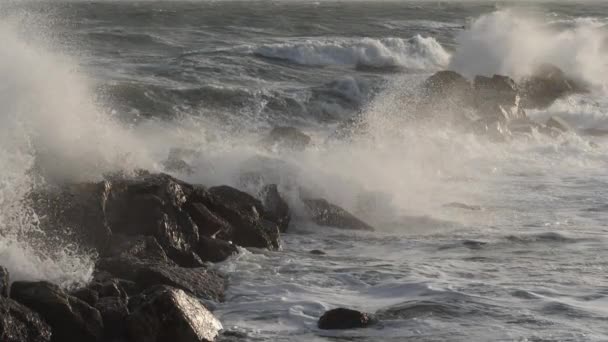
(109, 288)
(200, 281)
(74, 208)
(215, 250)
(473, 244)
(275, 207)
(87, 295)
(447, 85)
(596, 132)
(344, 319)
(250, 225)
(317, 252)
(114, 312)
(3, 281)
(559, 124)
(20, 324)
(70, 318)
(324, 213)
(287, 137)
(497, 97)
(547, 84)
(153, 205)
(141, 247)
(209, 223)
(167, 314)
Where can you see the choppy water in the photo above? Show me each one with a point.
(93, 87)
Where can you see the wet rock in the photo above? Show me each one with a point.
(208, 222)
(114, 313)
(70, 318)
(215, 250)
(250, 226)
(324, 213)
(447, 85)
(77, 208)
(20, 324)
(497, 98)
(547, 84)
(342, 318)
(275, 207)
(559, 124)
(200, 281)
(3, 281)
(154, 205)
(287, 138)
(474, 244)
(87, 295)
(139, 247)
(168, 314)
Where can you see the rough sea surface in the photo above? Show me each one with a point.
(89, 88)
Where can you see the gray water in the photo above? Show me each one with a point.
(94, 87)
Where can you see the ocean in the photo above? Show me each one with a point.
(476, 239)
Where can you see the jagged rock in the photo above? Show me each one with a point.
(324, 213)
(200, 281)
(559, 124)
(20, 324)
(215, 250)
(342, 318)
(140, 247)
(70, 318)
(287, 137)
(276, 208)
(167, 314)
(114, 313)
(153, 205)
(497, 98)
(87, 295)
(74, 208)
(209, 223)
(3, 281)
(547, 84)
(250, 225)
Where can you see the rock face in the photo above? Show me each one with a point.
(20, 324)
(70, 318)
(324, 213)
(3, 282)
(447, 85)
(276, 207)
(114, 313)
(344, 319)
(166, 314)
(200, 281)
(286, 138)
(497, 98)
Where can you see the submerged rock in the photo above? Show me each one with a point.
(287, 137)
(168, 314)
(70, 318)
(20, 324)
(342, 318)
(324, 213)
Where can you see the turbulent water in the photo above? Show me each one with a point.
(88, 88)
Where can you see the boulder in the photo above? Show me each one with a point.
(547, 84)
(87, 295)
(250, 225)
(200, 282)
(324, 213)
(3, 282)
(70, 318)
(215, 250)
(277, 210)
(114, 313)
(20, 324)
(285, 137)
(168, 314)
(497, 98)
(208, 222)
(342, 318)
(447, 85)
(140, 247)
(555, 122)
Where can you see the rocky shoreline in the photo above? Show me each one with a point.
(157, 237)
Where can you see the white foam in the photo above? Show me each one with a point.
(416, 53)
(513, 43)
